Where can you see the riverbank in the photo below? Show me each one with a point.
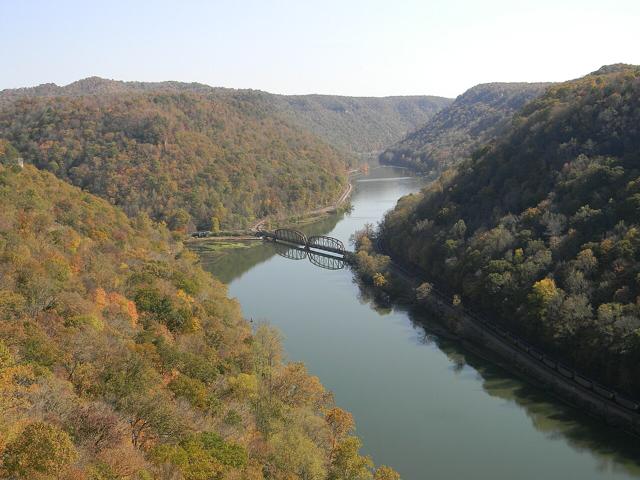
(407, 284)
(305, 218)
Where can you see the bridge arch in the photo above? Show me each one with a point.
(326, 243)
(291, 236)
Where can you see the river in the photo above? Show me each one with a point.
(422, 404)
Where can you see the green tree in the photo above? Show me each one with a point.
(215, 225)
(6, 359)
(385, 473)
(348, 464)
(40, 449)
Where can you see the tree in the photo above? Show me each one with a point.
(385, 473)
(41, 448)
(6, 359)
(379, 280)
(542, 292)
(97, 425)
(151, 417)
(348, 464)
(8, 154)
(295, 452)
(340, 423)
(215, 225)
(179, 220)
(423, 291)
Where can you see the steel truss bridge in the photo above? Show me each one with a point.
(322, 251)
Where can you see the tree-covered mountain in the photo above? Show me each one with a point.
(120, 358)
(476, 117)
(541, 229)
(180, 157)
(356, 125)
(197, 156)
(359, 125)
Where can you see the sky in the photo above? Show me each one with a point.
(360, 48)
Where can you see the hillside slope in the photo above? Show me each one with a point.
(542, 229)
(180, 157)
(356, 125)
(121, 358)
(476, 117)
(359, 125)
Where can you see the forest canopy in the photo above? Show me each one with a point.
(476, 117)
(541, 229)
(181, 158)
(120, 358)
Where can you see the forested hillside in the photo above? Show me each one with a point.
(189, 159)
(476, 117)
(356, 125)
(120, 358)
(359, 125)
(541, 229)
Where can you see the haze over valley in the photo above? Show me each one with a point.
(207, 273)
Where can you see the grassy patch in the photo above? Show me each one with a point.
(217, 246)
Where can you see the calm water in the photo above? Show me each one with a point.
(422, 404)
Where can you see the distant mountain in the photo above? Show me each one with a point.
(101, 86)
(474, 118)
(356, 125)
(541, 229)
(360, 125)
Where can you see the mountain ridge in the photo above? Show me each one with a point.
(477, 116)
(383, 120)
(539, 229)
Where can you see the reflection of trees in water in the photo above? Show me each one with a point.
(373, 297)
(227, 265)
(230, 264)
(614, 450)
(323, 226)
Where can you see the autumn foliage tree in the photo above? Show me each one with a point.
(120, 358)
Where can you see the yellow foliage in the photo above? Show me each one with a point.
(184, 296)
(100, 298)
(457, 300)
(606, 245)
(545, 289)
(518, 255)
(379, 280)
(17, 384)
(244, 385)
(385, 473)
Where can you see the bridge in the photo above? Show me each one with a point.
(323, 251)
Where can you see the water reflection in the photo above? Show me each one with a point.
(227, 265)
(290, 252)
(328, 262)
(614, 450)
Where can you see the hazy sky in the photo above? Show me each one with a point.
(392, 47)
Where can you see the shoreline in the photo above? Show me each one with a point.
(515, 356)
(309, 216)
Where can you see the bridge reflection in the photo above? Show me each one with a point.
(322, 251)
(322, 260)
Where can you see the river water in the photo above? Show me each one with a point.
(422, 404)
